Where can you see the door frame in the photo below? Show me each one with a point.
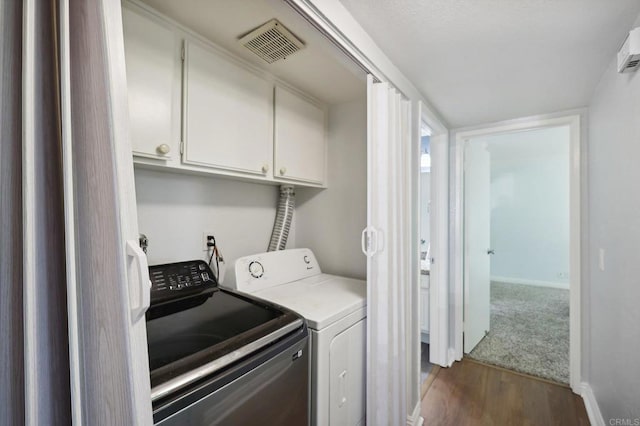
(575, 119)
(439, 240)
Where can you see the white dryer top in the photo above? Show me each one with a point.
(293, 279)
(322, 299)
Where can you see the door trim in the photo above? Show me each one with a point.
(439, 240)
(575, 119)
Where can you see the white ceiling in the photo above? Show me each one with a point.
(319, 69)
(479, 61)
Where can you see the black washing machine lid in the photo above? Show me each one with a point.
(193, 337)
(195, 329)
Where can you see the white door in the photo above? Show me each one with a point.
(477, 223)
(386, 244)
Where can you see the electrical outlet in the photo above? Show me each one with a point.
(204, 240)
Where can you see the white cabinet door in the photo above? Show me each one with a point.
(424, 310)
(152, 54)
(228, 114)
(300, 139)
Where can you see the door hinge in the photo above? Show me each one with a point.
(182, 53)
(181, 148)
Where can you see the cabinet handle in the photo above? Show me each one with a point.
(163, 149)
(283, 170)
(265, 168)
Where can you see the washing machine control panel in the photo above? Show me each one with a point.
(265, 270)
(179, 280)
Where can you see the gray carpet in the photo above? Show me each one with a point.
(529, 331)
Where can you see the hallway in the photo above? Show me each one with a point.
(470, 393)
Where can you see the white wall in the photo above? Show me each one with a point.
(425, 215)
(530, 206)
(175, 209)
(614, 226)
(330, 221)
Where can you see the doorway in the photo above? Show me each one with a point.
(517, 251)
(431, 292)
(425, 249)
(476, 259)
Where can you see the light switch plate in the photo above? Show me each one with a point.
(601, 259)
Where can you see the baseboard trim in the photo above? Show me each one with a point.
(415, 419)
(536, 283)
(591, 405)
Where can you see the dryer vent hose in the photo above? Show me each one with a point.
(281, 227)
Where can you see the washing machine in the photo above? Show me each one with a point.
(335, 310)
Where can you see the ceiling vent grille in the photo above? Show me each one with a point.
(272, 42)
(633, 64)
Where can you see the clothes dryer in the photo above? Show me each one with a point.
(335, 310)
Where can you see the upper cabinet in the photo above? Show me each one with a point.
(228, 114)
(152, 54)
(194, 107)
(300, 139)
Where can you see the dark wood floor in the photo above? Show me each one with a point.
(470, 393)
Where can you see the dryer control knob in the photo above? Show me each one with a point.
(256, 269)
